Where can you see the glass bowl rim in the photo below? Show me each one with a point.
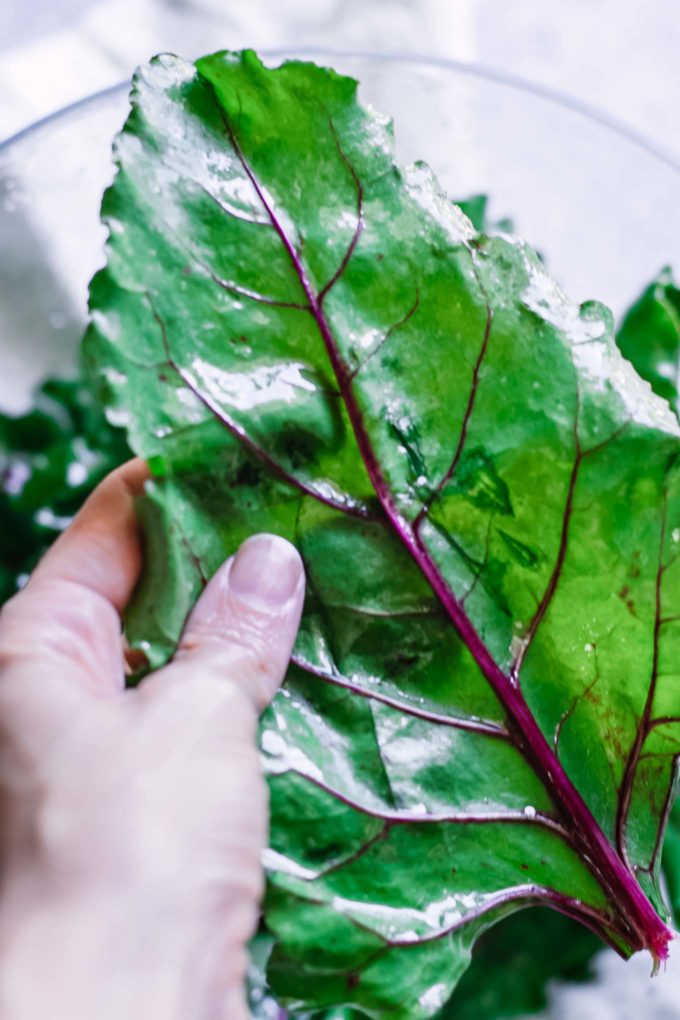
(472, 69)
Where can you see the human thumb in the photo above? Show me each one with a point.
(243, 627)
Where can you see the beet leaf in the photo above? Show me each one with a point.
(482, 711)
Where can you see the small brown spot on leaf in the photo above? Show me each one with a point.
(592, 696)
(628, 602)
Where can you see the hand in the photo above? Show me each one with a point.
(132, 822)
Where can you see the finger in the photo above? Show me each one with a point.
(69, 612)
(101, 549)
(243, 627)
(235, 1006)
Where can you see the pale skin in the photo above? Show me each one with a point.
(132, 821)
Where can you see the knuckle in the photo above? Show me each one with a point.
(242, 655)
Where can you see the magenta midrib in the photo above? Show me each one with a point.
(645, 926)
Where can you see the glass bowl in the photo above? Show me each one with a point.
(600, 204)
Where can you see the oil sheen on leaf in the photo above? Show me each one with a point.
(482, 712)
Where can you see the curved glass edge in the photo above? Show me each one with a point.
(64, 111)
(482, 71)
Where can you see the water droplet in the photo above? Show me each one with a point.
(435, 997)
(529, 811)
(588, 647)
(518, 645)
(675, 534)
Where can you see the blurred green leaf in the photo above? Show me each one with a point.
(650, 336)
(308, 339)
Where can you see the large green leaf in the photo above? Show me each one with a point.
(650, 336)
(482, 710)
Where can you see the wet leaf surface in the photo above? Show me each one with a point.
(482, 713)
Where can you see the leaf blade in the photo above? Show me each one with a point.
(420, 426)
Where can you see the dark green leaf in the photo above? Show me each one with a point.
(671, 861)
(476, 209)
(650, 337)
(514, 962)
(482, 711)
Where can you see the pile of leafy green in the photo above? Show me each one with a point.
(303, 337)
(50, 459)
